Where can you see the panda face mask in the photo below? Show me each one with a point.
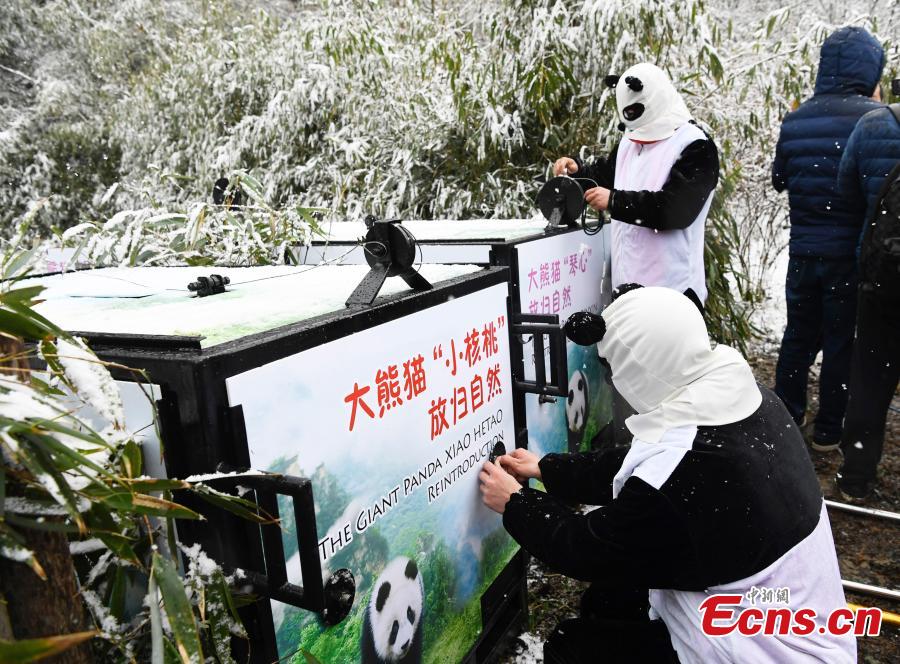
(648, 104)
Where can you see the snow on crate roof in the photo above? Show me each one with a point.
(474, 230)
(156, 301)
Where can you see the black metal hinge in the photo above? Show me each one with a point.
(539, 327)
(332, 599)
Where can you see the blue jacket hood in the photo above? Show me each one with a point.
(851, 62)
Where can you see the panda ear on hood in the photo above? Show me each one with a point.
(412, 571)
(634, 83)
(585, 328)
(383, 593)
(619, 291)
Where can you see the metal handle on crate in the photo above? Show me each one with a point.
(332, 599)
(539, 326)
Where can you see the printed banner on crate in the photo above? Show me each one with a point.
(393, 425)
(562, 274)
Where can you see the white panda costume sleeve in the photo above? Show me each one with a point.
(715, 495)
(392, 624)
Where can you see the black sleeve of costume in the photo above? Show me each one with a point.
(601, 173)
(638, 540)
(582, 478)
(681, 198)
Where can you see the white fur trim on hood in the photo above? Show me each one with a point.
(659, 352)
(664, 111)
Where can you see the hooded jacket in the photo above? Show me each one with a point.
(824, 221)
(872, 152)
(689, 511)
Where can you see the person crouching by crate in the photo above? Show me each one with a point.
(715, 496)
(657, 185)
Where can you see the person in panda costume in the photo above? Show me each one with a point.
(656, 184)
(392, 625)
(716, 494)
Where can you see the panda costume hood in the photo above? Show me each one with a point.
(715, 495)
(661, 178)
(670, 375)
(648, 105)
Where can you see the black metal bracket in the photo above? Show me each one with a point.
(211, 285)
(390, 251)
(539, 326)
(332, 599)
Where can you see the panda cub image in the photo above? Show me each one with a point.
(577, 407)
(392, 626)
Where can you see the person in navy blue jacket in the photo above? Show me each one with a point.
(872, 153)
(825, 225)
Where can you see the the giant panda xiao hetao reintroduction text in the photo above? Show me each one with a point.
(392, 626)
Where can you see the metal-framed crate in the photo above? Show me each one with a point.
(368, 425)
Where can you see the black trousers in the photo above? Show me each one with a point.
(821, 311)
(613, 627)
(874, 372)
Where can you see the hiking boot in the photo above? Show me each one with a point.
(824, 445)
(853, 492)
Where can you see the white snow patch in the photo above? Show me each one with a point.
(198, 562)
(257, 300)
(206, 477)
(15, 553)
(529, 649)
(91, 380)
(109, 626)
(87, 546)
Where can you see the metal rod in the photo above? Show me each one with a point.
(873, 591)
(868, 511)
(886, 616)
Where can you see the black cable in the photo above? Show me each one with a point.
(584, 226)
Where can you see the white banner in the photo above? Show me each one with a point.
(393, 425)
(562, 274)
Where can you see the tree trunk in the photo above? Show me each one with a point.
(34, 607)
(45, 608)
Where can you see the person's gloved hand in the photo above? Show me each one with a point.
(585, 328)
(565, 166)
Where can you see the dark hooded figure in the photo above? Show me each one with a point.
(716, 495)
(825, 226)
(872, 155)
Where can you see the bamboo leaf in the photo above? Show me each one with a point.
(34, 650)
(145, 484)
(237, 506)
(12, 547)
(132, 459)
(119, 545)
(24, 296)
(178, 610)
(142, 503)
